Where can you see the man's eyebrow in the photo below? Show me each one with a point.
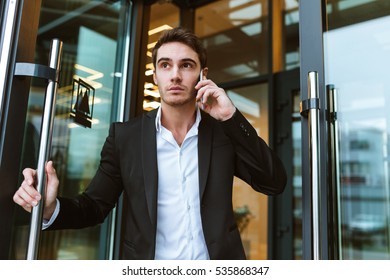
(164, 59)
(182, 60)
(188, 60)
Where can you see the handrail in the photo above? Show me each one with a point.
(44, 149)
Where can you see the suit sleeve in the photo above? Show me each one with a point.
(256, 163)
(92, 206)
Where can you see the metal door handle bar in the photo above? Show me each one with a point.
(334, 167)
(310, 109)
(35, 70)
(44, 148)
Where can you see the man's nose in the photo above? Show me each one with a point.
(176, 75)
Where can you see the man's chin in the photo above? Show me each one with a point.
(180, 102)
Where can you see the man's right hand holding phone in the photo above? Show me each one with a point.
(214, 100)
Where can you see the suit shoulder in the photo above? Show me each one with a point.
(134, 123)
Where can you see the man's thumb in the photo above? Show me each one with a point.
(50, 170)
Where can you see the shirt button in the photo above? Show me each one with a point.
(188, 207)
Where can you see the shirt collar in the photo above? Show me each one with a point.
(158, 119)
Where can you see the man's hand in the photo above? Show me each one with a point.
(27, 196)
(214, 100)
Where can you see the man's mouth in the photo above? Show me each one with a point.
(175, 88)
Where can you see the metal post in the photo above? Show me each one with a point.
(334, 170)
(314, 158)
(44, 150)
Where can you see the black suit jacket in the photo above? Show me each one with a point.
(129, 165)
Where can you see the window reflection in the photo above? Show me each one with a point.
(348, 12)
(252, 101)
(290, 34)
(163, 16)
(75, 149)
(235, 34)
(358, 72)
(297, 177)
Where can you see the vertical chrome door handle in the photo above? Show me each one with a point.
(310, 108)
(334, 167)
(44, 149)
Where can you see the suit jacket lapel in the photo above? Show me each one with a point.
(205, 134)
(149, 163)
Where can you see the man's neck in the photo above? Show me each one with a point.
(178, 120)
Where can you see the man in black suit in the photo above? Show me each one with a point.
(175, 166)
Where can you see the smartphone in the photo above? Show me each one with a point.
(200, 79)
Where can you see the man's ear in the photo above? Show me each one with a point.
(154, 77)
(205, 71)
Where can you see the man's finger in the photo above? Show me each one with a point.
(29, 175)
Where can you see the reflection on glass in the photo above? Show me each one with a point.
(163, 16)
(356, 54)
(235, 34)
(297, 178)
(89, 30)
(290, 37)
(251, 208)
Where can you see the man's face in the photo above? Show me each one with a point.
(177, 73)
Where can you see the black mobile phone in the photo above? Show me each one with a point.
(200, 79)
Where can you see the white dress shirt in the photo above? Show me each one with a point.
(179, 224)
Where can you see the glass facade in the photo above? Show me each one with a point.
(75, 147)
(235, 34)
(163, 16)
(356, 54)
(250, 207)
(242, 57)
(297, 177)
(289, 37)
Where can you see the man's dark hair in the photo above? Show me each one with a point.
(181, 35)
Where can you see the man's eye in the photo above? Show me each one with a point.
(187, 65)
(163, 64)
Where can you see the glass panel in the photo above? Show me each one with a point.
(290, 37)
(163, 16)
(356, 57)
(251, 208)
(89, 30)
(297, 177)
(235, 34)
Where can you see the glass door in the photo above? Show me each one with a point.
(347, 44)
(90, 96)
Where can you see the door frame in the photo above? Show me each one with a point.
(312, 18)
(13, 119)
